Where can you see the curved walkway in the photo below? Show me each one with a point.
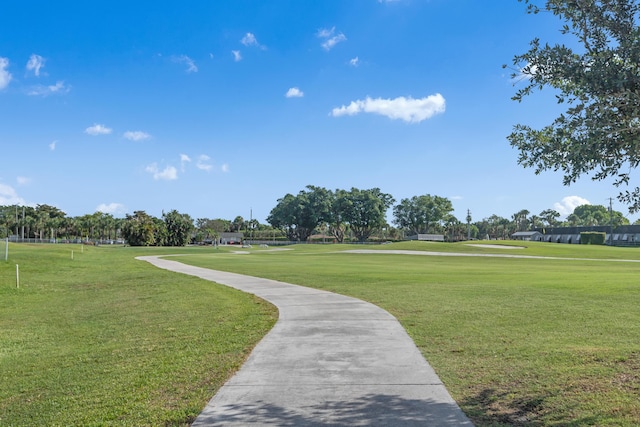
(329, 360)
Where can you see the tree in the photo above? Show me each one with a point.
(88, 224)
(107, 225)
(68, 227)
(237, 225)
(520, 220)
(365, 211)
(6, 221)
(178, 228)
(283, 216)
(139, 229)
(299, 215)
(535, 221)
(455, 229)
(337, 225)
(573, 220)
(206, 229)
(588, 215)
(319, 206)
(421, 214)
(496, 227)
(550, 217)
(48, 218)
(599, 133)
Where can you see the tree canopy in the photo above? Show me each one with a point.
(588, 215)
(599, 81)
(422, 214)
(299, 215)
(364, 210)
(179, 226)
(139, 229)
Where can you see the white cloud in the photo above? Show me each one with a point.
(236, 55)
(224, 167)
(169, 173)
(184, 159)
(294, 92)
(325, 33)
(5, 76)
(407, 109)
(35, 63)
(97, 129)
(111, 208)
(568, 204)
(203, 163)
(184, 59)
(329, 44)
(330, 38)
(354, 62)
(8, 196)
(52, 146)
(59, 88)
(250, 40)
(23, 180)
(136, 135)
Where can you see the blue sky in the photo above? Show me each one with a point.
(218, 109)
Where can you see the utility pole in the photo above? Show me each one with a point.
(468, 224)
(610, 221)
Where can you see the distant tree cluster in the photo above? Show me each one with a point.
(496, 227)
(362, 212)
(315, 212)
(46, 222)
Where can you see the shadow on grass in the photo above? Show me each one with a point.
(497, 408)
(367, 410)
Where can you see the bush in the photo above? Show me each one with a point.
(593, 238)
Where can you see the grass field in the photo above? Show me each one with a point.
(104, 339)
(516, 341)
(107, 340)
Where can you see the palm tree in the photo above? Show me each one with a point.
(237, 224)
(535, 220)
(550, 217)
(520, 220)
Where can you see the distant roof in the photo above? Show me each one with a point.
(432, 237)
(526, 233)
(231, 235)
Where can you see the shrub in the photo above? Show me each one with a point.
(593, 238)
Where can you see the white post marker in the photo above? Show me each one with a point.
(17, 276)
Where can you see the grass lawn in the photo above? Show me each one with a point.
(104, 339)
(516, 341)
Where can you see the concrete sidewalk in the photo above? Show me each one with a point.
(329, 360)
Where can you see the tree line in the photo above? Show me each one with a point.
(313, 213)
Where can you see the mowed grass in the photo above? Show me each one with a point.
(541, 342)
(104, 339)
